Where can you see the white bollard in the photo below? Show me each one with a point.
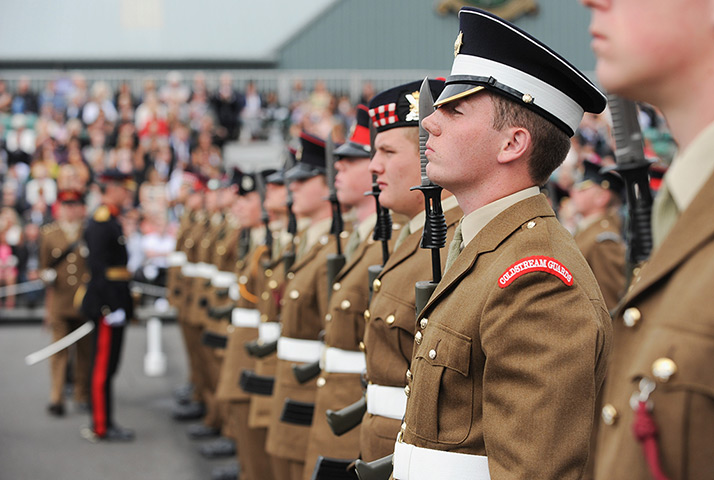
(154, 360)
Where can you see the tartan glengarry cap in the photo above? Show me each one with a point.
(310, 158)
(495, 55)
(399, 106)
(358, 144)
(113, 175)
(70, 196)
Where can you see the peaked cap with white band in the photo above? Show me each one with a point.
(495, 55)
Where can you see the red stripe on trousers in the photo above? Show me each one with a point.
(99, 378)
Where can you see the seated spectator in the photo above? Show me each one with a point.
(24, 100)
(99, 104)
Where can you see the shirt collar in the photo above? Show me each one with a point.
(691, 169)
(474, 222)
(366, 226)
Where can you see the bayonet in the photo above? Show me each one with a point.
(434, 232)
(633, 167)
(260, 186)
(337, 223)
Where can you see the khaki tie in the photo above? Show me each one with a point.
(664, 215)
(454, 247)
(406, 231)
(352, 244)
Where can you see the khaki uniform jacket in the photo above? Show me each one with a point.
(389, 332)
(71, 271)
(344, 329)
(512, 370)
(302, 316)
(604, 249)
(192, 285)
(668, 337)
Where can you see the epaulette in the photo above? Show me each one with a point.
(102, 214)
(605, 236)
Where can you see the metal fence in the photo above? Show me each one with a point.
(341, 82)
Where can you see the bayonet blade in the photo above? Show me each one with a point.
(330, 166)
(426, 108)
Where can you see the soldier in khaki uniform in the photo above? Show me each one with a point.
(510, 350)
(659, 377)
(303, 311)
(62, 255)
(597, 198)
(389, 329)
(340, 382)
(243, 328)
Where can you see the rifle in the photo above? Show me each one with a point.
(289, 255)
(260, 186)
(633, 167)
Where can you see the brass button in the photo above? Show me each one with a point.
(367, 315)
(71, 258)
(263, 317)
(265, 295)
(636, 271)
(409, 374)
(423, 323)
(362, 347)
(376, 285)
(407, 391)
(336, 286)
(531, 224)
(221, 250)
(321, 382)
(631, 316)
(71, 269)
(344, 234)
(205, 243)
(188, 243)
(345, 304)
(230, 328)
(72, 280)
(417, 338)
(663, 369)
(328, 317)
(604, 223)
(432, 354)
(609, 414)
(243, 279)
(56, 252)
(291, 275)
(268, 272)
(294, 294)
(273, 284)
(390, 319)
(324, 239)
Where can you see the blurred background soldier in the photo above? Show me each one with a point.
(62, 262)
(107, 301)
(597, 199)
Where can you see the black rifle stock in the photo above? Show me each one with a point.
(306, 371)
(259, 349)
(345, 419)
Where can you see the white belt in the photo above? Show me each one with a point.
(269, 331)
(176, 259)
(336, 360)
(245, 317)
(390, 402)
(297, 350)
(189, 269)
(205, 270)
(416, 463)
(223, 279)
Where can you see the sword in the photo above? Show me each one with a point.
(20, 288)
(633, 167)
(434, 233)
(60, 344)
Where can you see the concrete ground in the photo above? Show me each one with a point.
(35, 446)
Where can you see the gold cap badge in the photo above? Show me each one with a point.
(457, 44)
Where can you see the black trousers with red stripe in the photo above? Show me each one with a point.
(108, 341)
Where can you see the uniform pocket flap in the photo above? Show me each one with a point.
(447, 348)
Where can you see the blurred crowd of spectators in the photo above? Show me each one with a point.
(65, 135)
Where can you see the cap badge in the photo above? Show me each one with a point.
(457, 44)
(247, 183)
(535, 264)
(413, 115)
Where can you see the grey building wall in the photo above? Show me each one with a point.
(410, 34)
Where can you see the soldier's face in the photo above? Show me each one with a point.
(463, 146)
(248, 209)
(645, 47)
(309, 196)
(276, 199)
(396, 164)
(352, 180)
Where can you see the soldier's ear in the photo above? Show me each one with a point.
(516, 144)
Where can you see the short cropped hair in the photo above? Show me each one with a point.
(550, 144)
